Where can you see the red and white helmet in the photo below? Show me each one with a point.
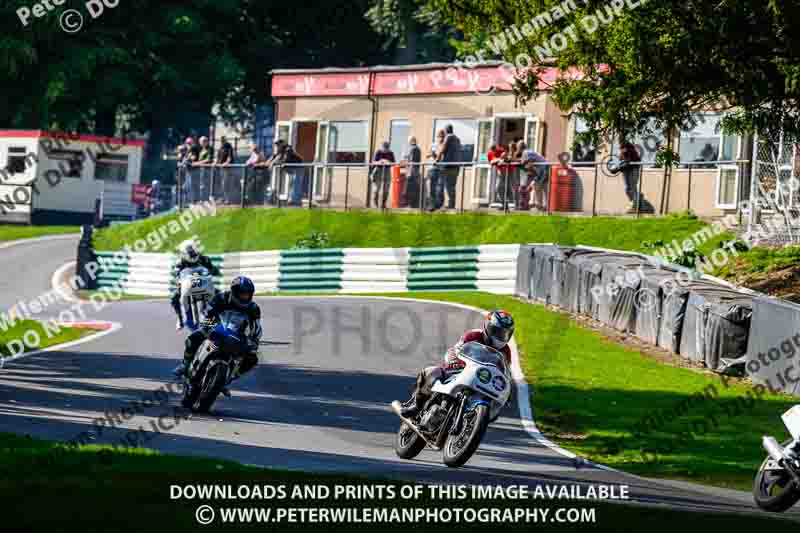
(498, 328)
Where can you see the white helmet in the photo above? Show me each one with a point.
(188, 251)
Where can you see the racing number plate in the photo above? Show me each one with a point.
(791, 419)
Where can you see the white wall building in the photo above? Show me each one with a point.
(58, 178)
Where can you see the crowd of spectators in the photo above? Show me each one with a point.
(517, 174)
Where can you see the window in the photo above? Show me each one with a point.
(17, 160)
(700, 140)
(727, 187)
(581, 152)
(465, 129)
(111, 168)
(399, 131)
(647, 143)
(70, 162)
(348, 142)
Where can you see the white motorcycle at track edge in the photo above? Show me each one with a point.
(777, 484)
(197, 288)
(459, 411)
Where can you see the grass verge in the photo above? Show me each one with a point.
(12, 232)
(272, 229)
(31, 330)
(97, 488)
(589, 395)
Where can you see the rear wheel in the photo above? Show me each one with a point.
(459, 448)
(774, 490)
(213, 382)
(408, 444)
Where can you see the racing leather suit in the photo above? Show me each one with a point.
(202, 261)
(220, 303)
(451, 365)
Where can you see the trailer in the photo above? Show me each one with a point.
(67, 178)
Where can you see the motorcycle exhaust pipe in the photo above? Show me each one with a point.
(773, 448)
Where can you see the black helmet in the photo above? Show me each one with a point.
(242, 291)
(498, 328)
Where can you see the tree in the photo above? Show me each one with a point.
(663, 60)
(414, 30)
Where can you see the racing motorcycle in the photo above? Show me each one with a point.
(197, 289)
(215, 363)
(456, 416)
(777, 484)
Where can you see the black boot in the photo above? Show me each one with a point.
(413, 406)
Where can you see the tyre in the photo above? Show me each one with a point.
(190, 394)
(213, 382)
(408, 444)
(775, 490)
(459, 448)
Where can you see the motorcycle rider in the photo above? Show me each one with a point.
(239, 297)
(190, 258)
(497, 330)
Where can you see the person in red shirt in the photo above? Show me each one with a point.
(497, 330)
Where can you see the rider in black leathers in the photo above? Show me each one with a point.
(238, 298)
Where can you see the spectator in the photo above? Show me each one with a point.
(536, 177)
(205, 155)
(256, 164)
(435, 173)
(501, 161)
(185, 172)
(294, 174)
(154, 197)
(225, 159)
(516, 171)
(629, 157)
(412, 160)
(449, 154)
(205, 158)
(382, 173)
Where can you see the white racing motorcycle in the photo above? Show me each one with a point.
(197, 289)
(777, 484)
(459, 411)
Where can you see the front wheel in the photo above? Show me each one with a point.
(459, 448)
(214, 380)
(774, 490)
(408, 444)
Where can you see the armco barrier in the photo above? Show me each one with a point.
(707, 321)
(491, 268)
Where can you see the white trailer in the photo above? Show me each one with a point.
(60, 178)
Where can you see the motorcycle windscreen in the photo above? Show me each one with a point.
(483, 355)
(194, 271)
(233, 321)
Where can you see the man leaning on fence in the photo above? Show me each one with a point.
(449, 154)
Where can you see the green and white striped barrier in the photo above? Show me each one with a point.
(490, 268)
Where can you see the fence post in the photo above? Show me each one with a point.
(310, 187)
(689, 192)
(179, 188)
(422, 201)
(243, 182)
(639, 191)
(505, 191)
(594, 192)
(463, 185)
(346, 185)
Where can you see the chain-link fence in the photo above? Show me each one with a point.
(708, 188)
(775, 192)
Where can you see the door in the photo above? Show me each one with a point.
(533, 136)
(482, 171)
(284, 131)
(322, 172)
(728, 172)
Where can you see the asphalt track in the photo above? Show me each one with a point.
(318, 401)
